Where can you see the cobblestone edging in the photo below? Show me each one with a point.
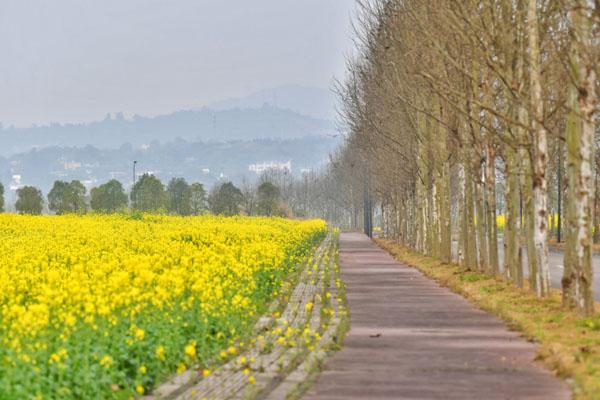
(286, 350)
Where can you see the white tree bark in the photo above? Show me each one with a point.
(540, 191)
(581, 127)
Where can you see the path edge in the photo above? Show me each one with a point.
(549, 356)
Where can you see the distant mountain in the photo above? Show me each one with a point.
(193, 125)
(312, 101)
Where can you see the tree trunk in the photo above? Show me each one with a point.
(481, 225)
(470, 219)
(445, 214)
(540, 191)
(552, 224)
(528, 218)
(512, 222)
(464, 254)
(577, 280)
(492, 228)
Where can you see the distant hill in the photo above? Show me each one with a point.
(266, 122)
(306, 100)
(202, 161)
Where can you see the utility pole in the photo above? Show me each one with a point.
(367, 205)
(366, 208)
(133, 187)
(559, 197)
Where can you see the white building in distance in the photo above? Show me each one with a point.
(261, 167)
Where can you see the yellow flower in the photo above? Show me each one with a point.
(139, 388)
(205, 372)
(54, 358)
(160, 353)
(139, 334)
(60, 355)
(119, 280)
(106, 361)
(251, 380)
(190, 350)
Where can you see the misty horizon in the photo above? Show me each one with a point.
(186, 87)
(326, 112)
(76, 61)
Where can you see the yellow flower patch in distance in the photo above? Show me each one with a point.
(107, 306)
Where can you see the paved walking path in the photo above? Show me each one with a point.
(412, 339)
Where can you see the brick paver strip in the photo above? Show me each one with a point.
(277, 369)
(412, 339)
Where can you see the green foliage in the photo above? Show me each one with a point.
(226, 200)
(109, 197)
(269, 197)
(197, 198)
(67, 197)
(29, 200)
(592, 323)
(180, 197)
(149, 194)
(492, 288)
(472, 277)
(136, 216)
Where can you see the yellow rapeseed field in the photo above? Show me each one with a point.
(501, 221)
(108, 306)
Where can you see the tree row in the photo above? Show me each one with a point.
(456, 110)
(149, 194)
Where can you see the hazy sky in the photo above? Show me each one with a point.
(76, 60)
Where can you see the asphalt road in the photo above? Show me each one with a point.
(555, 261)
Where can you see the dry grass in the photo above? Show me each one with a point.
(568, 344)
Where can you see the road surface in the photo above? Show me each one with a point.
(555, 261)
(411, 338)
